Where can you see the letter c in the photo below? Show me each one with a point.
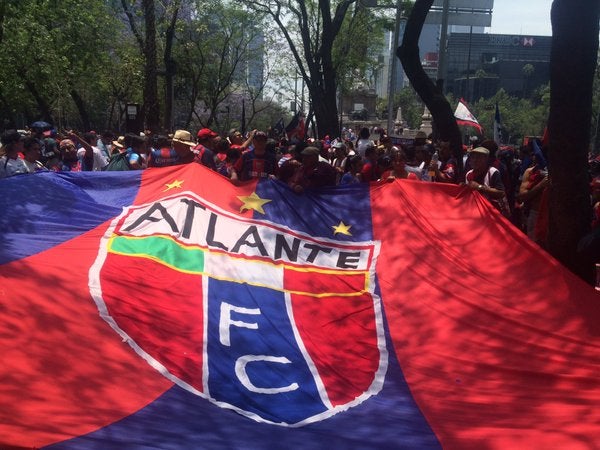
(240, 371)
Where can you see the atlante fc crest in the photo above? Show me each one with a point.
(275, 324)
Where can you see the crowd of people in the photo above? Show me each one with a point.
(515, 181)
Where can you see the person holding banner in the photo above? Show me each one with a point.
(486, 179)
(10, 163)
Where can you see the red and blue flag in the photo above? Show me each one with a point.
(170, 309)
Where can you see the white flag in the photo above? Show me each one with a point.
(465, 117)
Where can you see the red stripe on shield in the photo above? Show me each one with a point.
(303, 280)
(160, 309)
(339, 334)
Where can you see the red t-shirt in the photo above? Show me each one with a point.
(369, 172)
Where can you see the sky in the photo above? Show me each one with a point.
(523, 17)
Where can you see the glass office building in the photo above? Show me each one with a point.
(478, 65)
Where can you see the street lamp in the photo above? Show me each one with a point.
(393, 58)
(393, 69)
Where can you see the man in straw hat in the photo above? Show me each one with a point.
(179, 153)
(182, 144)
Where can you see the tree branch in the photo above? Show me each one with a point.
(431, 95)
(133, 26)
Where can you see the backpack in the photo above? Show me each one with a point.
(120, 161)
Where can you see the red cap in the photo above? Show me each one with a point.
(206, 133)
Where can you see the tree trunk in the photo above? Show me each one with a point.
(170, 69)
(83, 114)
(596, 146)
(326, 113)
(151, 106)
(317, 56)
(432, 96)
(572, 66)
(43, 106)
(109, 124)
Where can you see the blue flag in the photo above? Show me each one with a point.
(497, 126)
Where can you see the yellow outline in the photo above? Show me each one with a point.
(233, 280)
(256, 259)
(283, 266)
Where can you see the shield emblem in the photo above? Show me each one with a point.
(272, 323)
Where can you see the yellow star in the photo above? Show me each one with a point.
(342, 228)
(254, 202)
(175, 184)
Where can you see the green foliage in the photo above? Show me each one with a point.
(519, 117)
(412, 107)
(214, 48)
(268, 116)
(528, 70)
(357, 45)
(48, 52)
(90, 50)
(311, 29)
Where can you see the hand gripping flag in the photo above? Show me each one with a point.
(171, 309)
(464, 116)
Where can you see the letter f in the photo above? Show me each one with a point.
(225, 321)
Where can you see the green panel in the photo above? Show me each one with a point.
(161, 249)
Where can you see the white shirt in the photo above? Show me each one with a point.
(100, 161)
(362, 144)
(10, 167)
(33, 167)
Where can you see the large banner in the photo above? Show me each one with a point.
(170, 309)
